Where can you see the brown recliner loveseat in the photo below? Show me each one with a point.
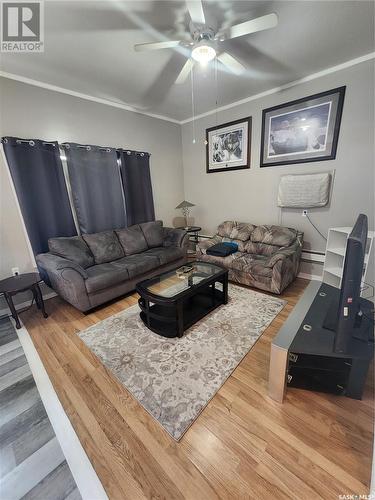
(268, 257)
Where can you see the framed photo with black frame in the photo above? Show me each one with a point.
(228, 146)
(302, 131)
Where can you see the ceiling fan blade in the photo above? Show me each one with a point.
(142, 47)
(195, 9)
(184, 73)
(231, 63)
(258, 24)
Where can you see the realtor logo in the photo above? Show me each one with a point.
(22, 26)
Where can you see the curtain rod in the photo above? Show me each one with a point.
(87, 147)
(30, 142)
(139, 153)
(107, 150)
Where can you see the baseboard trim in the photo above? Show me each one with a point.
(80, 466)
(307, 276)
(22, 305)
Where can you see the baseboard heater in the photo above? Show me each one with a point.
(313, 256)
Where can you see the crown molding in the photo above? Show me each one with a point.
(319, 74)
(87, 97)
(128, 107)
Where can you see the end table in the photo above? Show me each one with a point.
(21, 283)
(194, 231)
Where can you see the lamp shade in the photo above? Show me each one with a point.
(185, 204)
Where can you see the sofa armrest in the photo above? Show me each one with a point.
(67, 279)
(175, 238)
(285, 265)
(53, 263)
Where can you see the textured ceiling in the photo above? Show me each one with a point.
(89, 49)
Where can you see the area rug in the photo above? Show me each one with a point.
(174, 379)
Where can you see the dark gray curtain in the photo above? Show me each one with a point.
(96, 187)
(136, 181)
(38, 178)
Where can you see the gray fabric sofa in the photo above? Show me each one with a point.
(268, 257)
(91, 269)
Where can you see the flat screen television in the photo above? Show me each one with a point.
(347, 316)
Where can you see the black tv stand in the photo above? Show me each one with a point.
(303, 349)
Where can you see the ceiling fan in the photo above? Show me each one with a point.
(205, 44)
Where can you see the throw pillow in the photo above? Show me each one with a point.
(153, 232)
(72, 248)
(105, 246)
(132, 240)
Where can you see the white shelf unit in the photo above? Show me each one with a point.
(335, 255)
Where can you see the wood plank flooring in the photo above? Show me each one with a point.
(243, 445)
(32, 465)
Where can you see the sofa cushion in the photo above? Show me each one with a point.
(105, 246)
(138, 264)
(72, 248)
(132, 240)
(225, 262)
(235, 230)
(274, 235)
(153, 232)
(260, 248)
(225, 228)
(166, 254)
(104, 276)
(252, 264)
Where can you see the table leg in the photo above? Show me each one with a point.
(196, 237)
(357, 378)
(9, 299)
(180, 319)
(36, 298)
(39, 300)
(147, 303)
(225, 288)
(278, 373)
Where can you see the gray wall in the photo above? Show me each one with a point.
(247, 195)
(27, 111)
(250, 195)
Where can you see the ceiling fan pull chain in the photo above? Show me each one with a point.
(216, 90)
(192, 102)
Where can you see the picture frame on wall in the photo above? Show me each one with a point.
(228, 146)
(303, 130)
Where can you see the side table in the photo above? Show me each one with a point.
(21, 283)
(194, 231)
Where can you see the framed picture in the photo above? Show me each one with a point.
(228, 146)
(302, 131)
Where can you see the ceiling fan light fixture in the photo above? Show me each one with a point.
(203, 53)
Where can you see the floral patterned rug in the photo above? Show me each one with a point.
(174, 379)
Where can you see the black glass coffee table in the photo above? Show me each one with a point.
(173, 301)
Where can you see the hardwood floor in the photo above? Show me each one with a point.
(243, 445)
(32, 464)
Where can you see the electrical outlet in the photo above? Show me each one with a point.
(15, 271)
(304, 213)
